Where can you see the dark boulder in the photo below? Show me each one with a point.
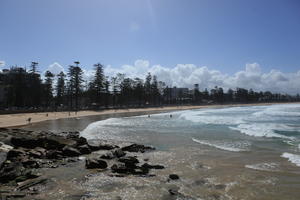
(15, 154)
(70, 151)
(10, 171)
(120, 168)
(81, 141)
(173, 177)
(129, 161)
(173, 191)
(55, 142)
(119, 153)
(26, 142)
(54, 154)
(137, 148)
(108, 156)
(34, 153)
(30, 163)
(146, 165)
(92, 163)
(84, 149)
(3, 157)
(96, 145)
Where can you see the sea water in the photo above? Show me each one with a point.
(246, 128)
(253, 150)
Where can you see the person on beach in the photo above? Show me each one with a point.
(171, 116)
(29, 120)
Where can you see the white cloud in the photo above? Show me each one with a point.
(55, 68)
(2, 63)
(134, 26)
(186, 75)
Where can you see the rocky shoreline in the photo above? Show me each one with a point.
(24, 153)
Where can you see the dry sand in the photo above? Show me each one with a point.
(13, 120)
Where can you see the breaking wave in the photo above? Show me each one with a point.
(232, 146)
(293, 158)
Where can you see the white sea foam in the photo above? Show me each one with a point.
(291, 110)
(263, 166)
(261, 130)
(97, 130)
(233, 146)
(205, 118)
(293, 158)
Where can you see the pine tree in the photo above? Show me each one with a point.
(60, 88)
(48, 89)
(98, 84)
(75, 83)
(148, 88)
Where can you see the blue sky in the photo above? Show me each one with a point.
(223, 35)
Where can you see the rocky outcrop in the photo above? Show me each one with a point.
(96, 145)
(92, 163)
(173, 177)
(138, 148)
(23, 152)
(148, 166)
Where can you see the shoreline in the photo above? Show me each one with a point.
(21, 119)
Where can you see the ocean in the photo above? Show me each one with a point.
(254, 151)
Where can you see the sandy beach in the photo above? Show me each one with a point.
(21, 119)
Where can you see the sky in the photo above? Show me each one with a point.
(211, 42)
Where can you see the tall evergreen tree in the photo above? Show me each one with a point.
(154, 90)
(98, 84)
(60, 88)
(48, 89)
(148, 88)
(75, 82)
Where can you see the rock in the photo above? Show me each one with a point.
(173, 191)
(129, 161)
(92, 163)
(55, 142)
(200, 182)
(96, 145)
(137, 148)
(29, 163)
(220, 186)
(108, 156)
(119, 153)
(84, 149)
(140, 171)
(173, 176)
(54, 154)
(146, 165)
(13, 195)
(29, 183)
(3, 156)
(15, 153)
(70, 151)
(5, 148)
(35, 154)
(15, 171)
(81, 141)
(26, 142)
(120, 168)
(72, 134)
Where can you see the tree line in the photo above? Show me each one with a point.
(25, 89)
